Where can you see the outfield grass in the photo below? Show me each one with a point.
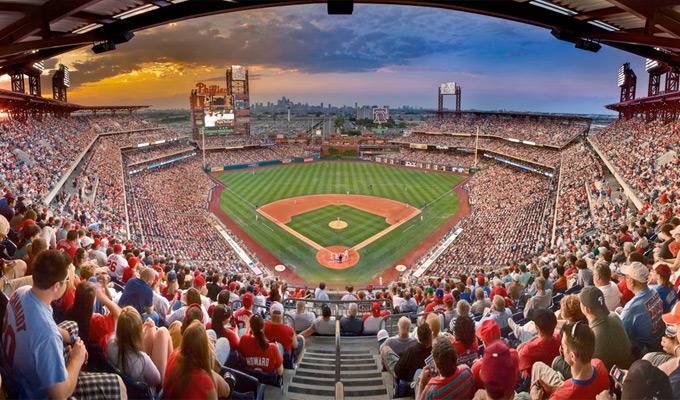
(361, 225)
(249, 189)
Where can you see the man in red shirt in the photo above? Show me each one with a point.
(490, 334)
(438, 303)
(589, 376)
(246, 310)
(545, 347)
(278, 332)
(69, 245)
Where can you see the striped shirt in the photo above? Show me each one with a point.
(457, 386)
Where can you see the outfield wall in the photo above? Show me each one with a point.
(262, 164)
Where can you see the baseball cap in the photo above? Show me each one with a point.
(128, 246)
(97, 242)
(480, 280)
(199, 281)
(86, 241)
(489, 331)
(448, 298)
(637, 271)
(676, 231)
(593, 298)
(645, 381)
(439, 294)
(133, 261)
(382, 335)
(117, 248)
(172, 276)
(376, 310)
(276, 308)
(233, 286)
(663, 270)
(672, 317)
(247, 300)
(497, 366)
(370, 287)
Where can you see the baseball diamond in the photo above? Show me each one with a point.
(287, 210)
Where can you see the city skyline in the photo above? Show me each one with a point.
(387, 55)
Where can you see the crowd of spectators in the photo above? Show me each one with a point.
(225, 141)
(141, 155)
(545, 132)
(635, 149)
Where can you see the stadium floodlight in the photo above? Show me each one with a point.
(39, 66)
(66, 75)
(651, 64)
(622, 74)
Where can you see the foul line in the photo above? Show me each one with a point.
(293, 232)
(237, 195)
(383, 233)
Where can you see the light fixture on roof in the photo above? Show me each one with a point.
(87, 28)
(603, 25)
(585, 44)
(136, 11)
(340, 7)
(553, 7)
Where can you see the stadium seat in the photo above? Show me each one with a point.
(576, 289)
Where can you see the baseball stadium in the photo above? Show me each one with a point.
(238, 249)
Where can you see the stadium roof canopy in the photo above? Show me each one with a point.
(35, 30)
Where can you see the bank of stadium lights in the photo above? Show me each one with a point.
(39, 66)
(603, 25)
(67, 75)
(622, 74)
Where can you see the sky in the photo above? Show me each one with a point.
(380, 55)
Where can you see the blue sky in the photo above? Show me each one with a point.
(393, 55)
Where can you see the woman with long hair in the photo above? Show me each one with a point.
(260, 355)
(223, 325)
(189, 374)
(36, 247)
(140, 350)
(93, 327)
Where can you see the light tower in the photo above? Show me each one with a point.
(239, 97)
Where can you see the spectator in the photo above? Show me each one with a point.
(373, 320)
(454, 381)
(642, 315)
(323, 325)
(498, 313)
(139, 295)
(612, 345)
(602, 280)
(259, 353)
(350, 324)
(303, 319)
(37, 337)
(481, 303)
(588, 375)
(464, 340)
(542, 299)
(278, 332)
(543, 348)
(661, 273)
(413, 358)
(397, 344)
(497, 364)
(189, 373)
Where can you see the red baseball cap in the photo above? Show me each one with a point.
(132, 261)
(497, 367)
(448, 298)
(489, 331)
(117, 248)
(247, 300)
(199, 281)
(376, 310)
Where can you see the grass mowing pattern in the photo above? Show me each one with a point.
(361, 225)
(430, 191)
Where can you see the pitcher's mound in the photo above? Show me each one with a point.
(329, 257)
(338, 224)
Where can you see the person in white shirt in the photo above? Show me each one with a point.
(602, 280)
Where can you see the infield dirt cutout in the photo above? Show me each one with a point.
(395, 213)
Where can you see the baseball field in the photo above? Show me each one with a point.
(340, 222)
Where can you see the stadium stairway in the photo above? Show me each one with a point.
(358, 367)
